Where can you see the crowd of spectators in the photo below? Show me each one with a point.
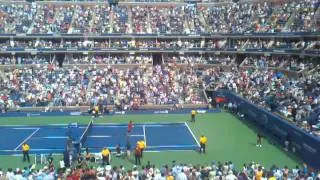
(290, 63)
(204, 59)
(108, 59)
(32, 86)
(258, 17)
(161, 84)
(46, 85)
(169, 83)
(161, 44)
(37, 59)
(282, 62)
(295, 99)
(113, 43)
(303, 17)
(16, 18)
(178, 171)
(302, 98)
(114, 59)
(291, 16)
(269, 44)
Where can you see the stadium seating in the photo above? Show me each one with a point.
(98, 18)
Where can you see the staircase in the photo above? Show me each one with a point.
(242, 62)
(203, 21)
(2, 76)
(91, 23)
(316, 17)
(130, 20)
(111, 19)
(38, 11)
(311, 45)
(88, 91)
(75, 12)
(289, 22)
(149, 29)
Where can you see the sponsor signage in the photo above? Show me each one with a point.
(161, 112)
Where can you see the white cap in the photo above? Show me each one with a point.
(108, 167)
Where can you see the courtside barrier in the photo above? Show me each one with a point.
(305, 144)
(117, 112)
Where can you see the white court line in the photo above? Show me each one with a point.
(51, 137)
(194, 137)
(24, 128)
(32, 150)
(28, 125)
(57, 124)
(106, 136)
(125, 126)
(173, 150)
(99, 136)
(171, 146)
(25, 140)
(157, 125)
(137, 135)
(14, 125)
(146, 123)
(112, 126)
(164, 146)
(144, 134)
(138, 124)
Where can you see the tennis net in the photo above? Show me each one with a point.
(85, 134)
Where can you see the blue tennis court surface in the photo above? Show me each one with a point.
(53, 139)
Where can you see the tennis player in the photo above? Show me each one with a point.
(259, 140)
(130, 126)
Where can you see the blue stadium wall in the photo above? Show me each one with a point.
(306, 145)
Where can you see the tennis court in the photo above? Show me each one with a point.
(53, 139)
(228, 138)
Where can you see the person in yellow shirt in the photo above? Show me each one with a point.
(142, 145)
(259, 174)
(193, 115)
(105, 156)
(272, 177)
(25, 151)
(96, 111)
(169, 176)
(203, 142)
